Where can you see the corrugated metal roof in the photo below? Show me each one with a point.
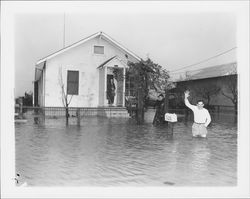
(210, 72)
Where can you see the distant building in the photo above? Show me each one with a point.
(85, 69)
(214, 81)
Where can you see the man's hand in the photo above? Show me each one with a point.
(186, 93)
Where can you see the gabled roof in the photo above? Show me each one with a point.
(110, 60)
(107, 61)
(210, 72)
(100, 34)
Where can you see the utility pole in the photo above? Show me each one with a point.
(64, 30)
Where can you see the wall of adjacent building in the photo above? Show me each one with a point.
(217, 99)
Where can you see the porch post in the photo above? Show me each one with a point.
(124, 84)
(105, 86)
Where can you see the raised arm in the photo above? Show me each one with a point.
(187, 103)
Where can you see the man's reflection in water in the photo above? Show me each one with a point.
(199, 156)
(169, 136)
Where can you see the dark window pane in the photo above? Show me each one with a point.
(99, 49)
(72, 82)
(73, 76)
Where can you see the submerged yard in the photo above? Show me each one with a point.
(118, 152)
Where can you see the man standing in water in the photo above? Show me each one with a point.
(202, 117)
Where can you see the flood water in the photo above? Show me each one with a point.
(118, 152)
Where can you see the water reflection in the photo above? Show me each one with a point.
(39, 120)
(200, 155)
(117, 152)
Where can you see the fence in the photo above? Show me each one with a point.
(130, 111)
(83, 111)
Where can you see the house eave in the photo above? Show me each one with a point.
(104, 64)
(38, 70)
(108, 38)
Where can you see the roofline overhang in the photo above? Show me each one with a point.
(105, 64)
(85, 40)
(39, 67)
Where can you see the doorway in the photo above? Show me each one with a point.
(111, 89)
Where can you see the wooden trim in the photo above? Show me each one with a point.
(108, 39)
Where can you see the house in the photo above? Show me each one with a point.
(215, 85)
(83, 70)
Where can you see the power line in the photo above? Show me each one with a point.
(182, 72)
(63, 29)
(204, 60)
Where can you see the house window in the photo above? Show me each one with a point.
(72, 82)
(99, 49)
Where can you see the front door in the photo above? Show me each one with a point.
(114, 90)
(111, 89)
(35, 93)
(114, 86)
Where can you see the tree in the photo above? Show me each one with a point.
(66, 100)
(231, 90)
(149, 75)
(140, 73)
(28, 99)
(207, 91)
(159, 77)
(178, 100)
(118, 74)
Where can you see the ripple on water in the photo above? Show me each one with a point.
(117, 152)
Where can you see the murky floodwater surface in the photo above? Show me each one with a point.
(117, 152)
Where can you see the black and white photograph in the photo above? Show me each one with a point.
(125, 99)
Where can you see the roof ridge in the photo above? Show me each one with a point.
(69, 45)
(84, 40)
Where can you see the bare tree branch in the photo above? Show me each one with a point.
(64, 93)
(231, 98)
(207, 91)
(70, 99)
(231, 87)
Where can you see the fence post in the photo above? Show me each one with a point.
(166, 101)
(78, 117)
(171, 127)
(21, 108)
(218, 109)
(67, 114)
(166, 104)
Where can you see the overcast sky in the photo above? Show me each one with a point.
(173, 40)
